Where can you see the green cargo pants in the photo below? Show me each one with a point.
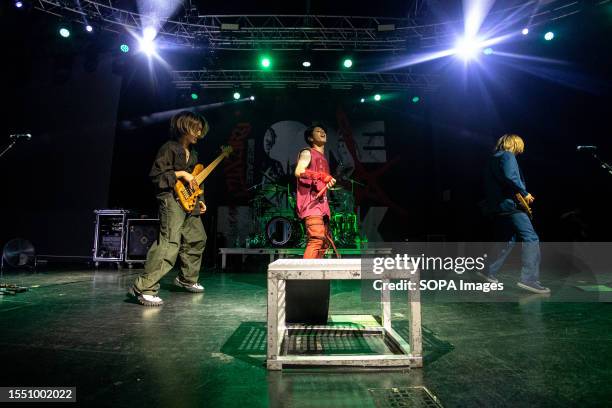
(180, 235)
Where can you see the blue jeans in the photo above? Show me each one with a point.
(515, 228)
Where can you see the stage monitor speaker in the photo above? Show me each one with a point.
(141, 234)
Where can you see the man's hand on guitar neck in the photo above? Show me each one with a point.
(529, 198)
(187, 178)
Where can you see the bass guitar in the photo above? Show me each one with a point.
(186, 196)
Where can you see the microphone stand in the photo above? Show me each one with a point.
(8, 147)
(603, 164)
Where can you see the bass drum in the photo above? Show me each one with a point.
(284, 232)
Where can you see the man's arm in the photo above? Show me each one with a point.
(303, 162)
(511, 175)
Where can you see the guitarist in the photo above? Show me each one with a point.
(181, 234)
(503, 181)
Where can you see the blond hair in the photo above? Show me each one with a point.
(511, 143)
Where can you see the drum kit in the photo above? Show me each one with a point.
(275, 223)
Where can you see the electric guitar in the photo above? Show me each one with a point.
(524, 205)
(186, 196)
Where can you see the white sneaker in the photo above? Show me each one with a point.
(191, 287)
(145, 300)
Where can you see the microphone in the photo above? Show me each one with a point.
(579, 148)
(21, 135)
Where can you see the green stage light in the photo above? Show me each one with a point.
(488, 51)
(124, 48)
(64, 32)
(236, 95)
(415, 99)
(194, 96)
(266, 62)
(549, 36)
(377, 97)
(362, 100)
(347, 63)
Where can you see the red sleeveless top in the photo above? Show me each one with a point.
(307, 189)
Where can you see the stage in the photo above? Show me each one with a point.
(78, 328)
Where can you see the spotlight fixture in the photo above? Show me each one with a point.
(252, 97)
(362, 100)
(306, 64)
(347, 63)
(525, 31)
(124, 48)
(488, 51)
(149, 33)
(19, 4)
(467, 48)
(64, 32)
(236, 95)
(88, 28)
(377, 97)
(265, 62)
(549, 36)
(415, 99)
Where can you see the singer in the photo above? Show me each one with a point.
(308, 301)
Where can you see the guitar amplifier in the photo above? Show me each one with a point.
(141, 234)
(109, 235)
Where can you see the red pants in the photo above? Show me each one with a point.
(318, 241)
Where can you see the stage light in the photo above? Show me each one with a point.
(525, 31)
(377, 97)
(549, 36)
(252, 97)
(149, 34)
(467, 48)
(306, 64)
(18, 4)
(415, 99)
(347, 63)
(362, 100)
(88, 28)
(488, 51)
(194, 96)
(236, 95)
(266, 62)
(148, 47)
(124, 48)
(64, 32)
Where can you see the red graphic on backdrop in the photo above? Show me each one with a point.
(372, 189)
(235, 164)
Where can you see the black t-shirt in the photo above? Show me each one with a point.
(170, 158)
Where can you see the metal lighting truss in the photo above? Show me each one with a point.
(295, 32)
(305, 79)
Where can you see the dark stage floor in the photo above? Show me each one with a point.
(77, 328)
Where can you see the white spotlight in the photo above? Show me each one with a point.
(149, 34)
(148, 47)
(88, 28)
(525, 31)
(252, 98)
(467, 48)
